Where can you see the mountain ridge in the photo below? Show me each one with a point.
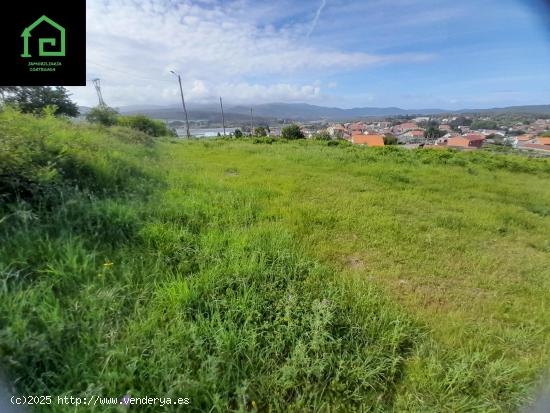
(308, 112)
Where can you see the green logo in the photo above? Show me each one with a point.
(41, 42)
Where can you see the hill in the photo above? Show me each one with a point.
(252, 275)
(305, 112)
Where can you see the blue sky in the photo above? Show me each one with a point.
(411, 54)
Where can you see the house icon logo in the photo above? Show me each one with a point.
(51, 41)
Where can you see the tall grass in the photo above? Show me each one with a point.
(283, 277)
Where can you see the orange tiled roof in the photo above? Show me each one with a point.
(474, 137)
(524, 138)
(369, 140)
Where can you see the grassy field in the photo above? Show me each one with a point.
(259, 276)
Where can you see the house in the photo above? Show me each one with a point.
(369, 140)
(536, 147)
(446, 128)
(275, 132)
(487, 132)
(442, 141)
(404, 127)
(336, 131)
(357, 127)
(541, 140)
(412, 136)
(421, 119)
(521, 140)
(469, 141)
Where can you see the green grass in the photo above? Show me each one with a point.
(270, 276)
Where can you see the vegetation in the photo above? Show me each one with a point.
(145, 124)
(33, 99)
(433, 132)
(323, 136)
(352, 279)
(484, 124)
(260, 131)
(390, 139)
(103, 115)
(292, 132)
(108, 116)
(460, 121)
(238, 133)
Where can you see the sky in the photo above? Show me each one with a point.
(413, 54)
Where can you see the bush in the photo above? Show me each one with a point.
(390, 140)
(292, 132)
(103, 115)
(323, 136)
(41, 158)
(269, 141)
(238, 133)
(260, 131)
(145, 124)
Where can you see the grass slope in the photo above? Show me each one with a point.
(284, 277)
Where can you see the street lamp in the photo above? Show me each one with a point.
(183, 103)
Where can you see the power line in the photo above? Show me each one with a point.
(129, 74)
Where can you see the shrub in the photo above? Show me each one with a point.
(292, 132)
(145, 124)
(260, 131)
(103, 115)
(323, 136)
(390, 140)
(269, 141)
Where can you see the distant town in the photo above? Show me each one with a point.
(528, 132)
(461, 132)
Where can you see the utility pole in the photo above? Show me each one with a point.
(183, 104)
(251, 123)
(223, 117)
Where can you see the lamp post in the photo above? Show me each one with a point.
(183, 103)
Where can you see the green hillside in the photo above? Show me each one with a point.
(270, 276)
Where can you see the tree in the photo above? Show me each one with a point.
(103, 115)
(292, 132)
(433, 133)
(5, 91)
(484, 124)
(33, 99)
(260, 131)
(238, 133)
(460, 121)
(390, 139)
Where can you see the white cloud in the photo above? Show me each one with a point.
(225, 49)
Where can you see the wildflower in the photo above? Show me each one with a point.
(254, 404)
(108, 264)
(125, 400)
